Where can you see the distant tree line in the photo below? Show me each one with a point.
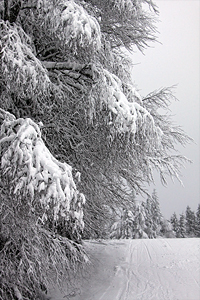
(187, 224)
(145, 220)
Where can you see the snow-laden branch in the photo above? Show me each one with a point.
(72, 24)
(23, 72)
(131, 6)
(126, 5)
(127, 110)
(36, 175)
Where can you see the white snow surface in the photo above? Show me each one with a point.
(156, 269)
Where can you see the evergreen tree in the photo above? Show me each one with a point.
(190, 221)
(131, 224)
(175, 223)
(166, 229)
(66, 92)
(153, 215)
(139, 221)
(182, 227)
(156, 213)
(37, 192)
(148, 219)
(64, 64)
(198, 221)
(127, 220)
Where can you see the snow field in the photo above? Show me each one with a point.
(156, 269)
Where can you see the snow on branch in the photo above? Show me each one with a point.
(132, 5)
(35, 174)
(72, 24)
(23, 72)
(126, 5)
(125, 105)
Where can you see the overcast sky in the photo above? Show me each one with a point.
(176, 61)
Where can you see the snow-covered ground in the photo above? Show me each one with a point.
(156, 269)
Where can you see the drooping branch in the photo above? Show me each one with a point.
(36, 175)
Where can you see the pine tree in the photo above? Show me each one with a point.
(166, 229)
(131, 224)
(148, 220)
(182, 226)
(37, 192)
(126, 224)
(139, 221)
(175, 223)
(198, 221)
(65, 79)
(190, 221)
(64, 64)
(156, 213)
(153, 215)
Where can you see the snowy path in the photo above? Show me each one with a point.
(159, 269)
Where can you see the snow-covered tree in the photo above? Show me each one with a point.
(181, 227)
(142, 220)
(139, 221)
(153, 214)
(166, 229)
(156, 213)
(175, 223)
(131, 224)
(198, 221)
(190, 221)
(64, 63)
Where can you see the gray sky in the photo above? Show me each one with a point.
(176, 61)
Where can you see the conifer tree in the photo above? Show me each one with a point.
(198, 221)
(156, 213)
(139, 221)
(64, 64)
(148, 220)
(37, 192)
(131, 223)
(175, 223)
(166, 229)
(190, 221)
(182, 226)
(153, 214)
(65, 80)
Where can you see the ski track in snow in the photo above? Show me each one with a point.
(156, 269)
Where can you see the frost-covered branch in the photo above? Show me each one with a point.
(71, 23)
(23, 72)
(125, 107)
(36, 175)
